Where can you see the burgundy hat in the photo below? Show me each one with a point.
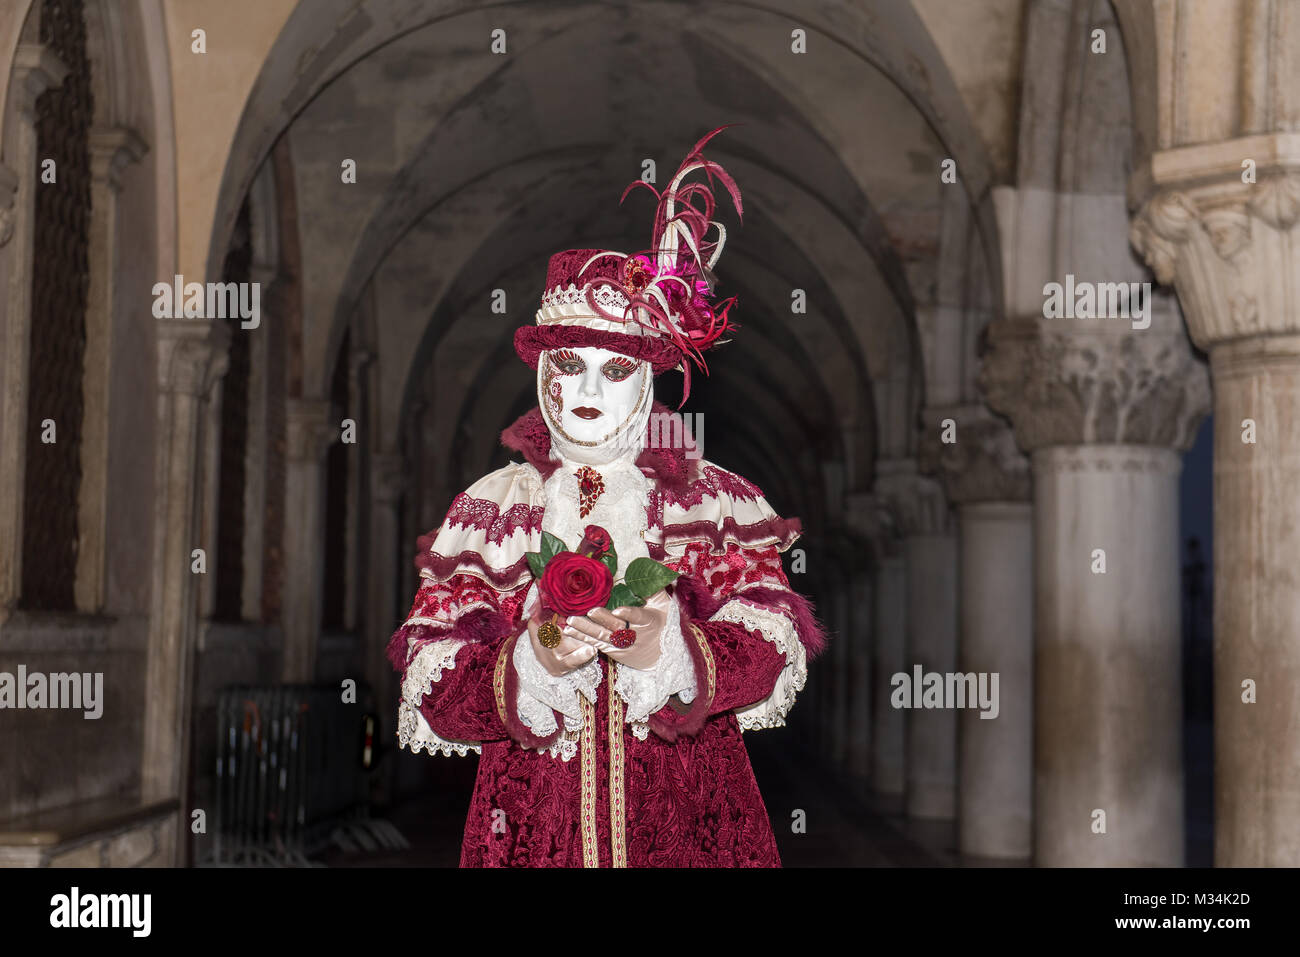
(654, 305)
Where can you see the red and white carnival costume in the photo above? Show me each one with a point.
(611, 765)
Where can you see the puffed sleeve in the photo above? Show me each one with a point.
(455, 652)
(749, 636)
(456, 649)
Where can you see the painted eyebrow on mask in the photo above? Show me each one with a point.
(618, 364)
(562, 358)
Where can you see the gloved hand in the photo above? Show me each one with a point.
(599, 624)
(569, 655)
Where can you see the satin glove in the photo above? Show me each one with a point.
(569, 655)
(647, 621)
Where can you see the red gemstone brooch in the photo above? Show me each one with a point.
(590, 487)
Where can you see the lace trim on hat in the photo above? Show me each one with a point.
(606, 296)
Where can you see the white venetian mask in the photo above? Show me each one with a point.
(595, 402)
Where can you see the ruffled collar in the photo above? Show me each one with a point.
(668, 467)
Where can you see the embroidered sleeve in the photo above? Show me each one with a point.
(445, 651)
(753, 636)
(460, 652)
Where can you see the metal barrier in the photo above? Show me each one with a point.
(290, 770)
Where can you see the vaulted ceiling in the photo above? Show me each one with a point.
(472, 168)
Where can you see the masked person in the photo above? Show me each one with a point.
(611, 738)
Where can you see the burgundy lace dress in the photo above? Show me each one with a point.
(676, 790)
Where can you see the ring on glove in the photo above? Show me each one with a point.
(623, 638)
(548, 633)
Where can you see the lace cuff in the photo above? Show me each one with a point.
(778, 629)
(647, 690)
(413, 731)
(540, 691)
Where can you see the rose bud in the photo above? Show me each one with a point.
(595, 541)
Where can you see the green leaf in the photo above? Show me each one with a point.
(624, 597)
(551, 546)
(535, 563)
(647, 577)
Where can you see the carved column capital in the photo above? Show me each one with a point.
(113, 149)
(1230, 247)
(309, 429)
(193, 355)
(870, 516)
(916, 503)
(36, 69)
(982, 462)
(1069, 382)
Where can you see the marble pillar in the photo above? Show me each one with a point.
(359, 361)
(858, 757)
(309, 431)
(192, 357)
(930, 555)
(996, 745)
(841, 651)
(988, 478)
(256, 447)
(384, 605)
(1232, 249)
(111, 151)
(890, 648)
(1106, 411)
(862, 521)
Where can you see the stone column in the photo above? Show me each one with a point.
(388, 481)
(1105, 410)
(1232, 249)
(256, 448)
(111, 150)
(358, 361)
(192, 357)
(861, 517)
(384, 611)
(842, 620)
(35, 70)
(209, 492)
(888, 728)
(309, 432)
(930, 551)
(858, 754)
(988, 479)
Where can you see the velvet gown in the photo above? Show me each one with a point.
(675, 791)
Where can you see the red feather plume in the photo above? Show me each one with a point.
(670, 285)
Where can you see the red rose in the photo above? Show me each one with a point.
(574, 584)
(595, 541)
